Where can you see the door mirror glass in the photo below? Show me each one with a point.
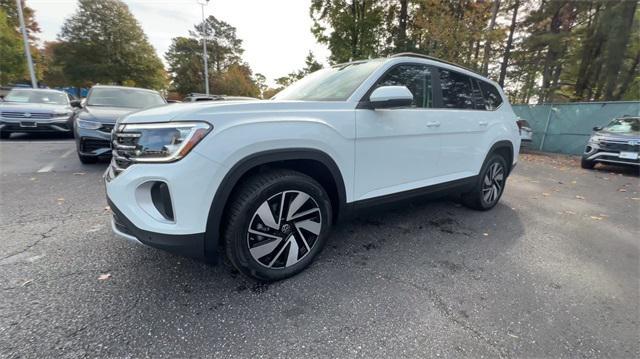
(390, 97)
(597, 128)
(76, 103)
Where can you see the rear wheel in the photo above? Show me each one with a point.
(586, 164)
(87, 159)
(490, 186)
(277, 223)
(5, 135)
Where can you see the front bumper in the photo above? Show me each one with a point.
(191, 245)
(596, 153)
(191, 184)
(94, 142)
(62, 125)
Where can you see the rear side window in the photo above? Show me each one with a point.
(417, 78)
(492, 98)
(456, 90)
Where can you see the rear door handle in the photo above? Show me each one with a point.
(433, 124)
(483, 123)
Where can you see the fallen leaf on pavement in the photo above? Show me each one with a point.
(579, 197)
(104, 276)
(79, 173)
(546, 194)
(622, 190)
(635, 198)
(60, 199)
(485, 234)
(32, 179)
(107, 208)
(596, 218)
(27, 282)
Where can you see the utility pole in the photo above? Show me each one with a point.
(27, 51)
(203, 3)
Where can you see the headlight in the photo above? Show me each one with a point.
(159, 142)
(89, 125)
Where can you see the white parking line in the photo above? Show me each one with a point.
(49, 167)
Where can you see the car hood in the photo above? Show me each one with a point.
(617, 136)
(33, 107)
(207, 110)
(104, 114)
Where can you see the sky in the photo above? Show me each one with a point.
(276, 34)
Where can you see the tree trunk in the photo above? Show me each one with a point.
(507, 49)
(354, 29)
(487, 44)
(616, 48)
(628, 78)
(402, 26)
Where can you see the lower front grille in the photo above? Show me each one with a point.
(90, 145)
(618, 146)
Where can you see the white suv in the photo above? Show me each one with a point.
(263, 181)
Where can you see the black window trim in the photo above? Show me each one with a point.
(364, 103)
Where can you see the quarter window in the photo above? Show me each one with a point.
(456, 90)
(492, 98)
(417, 78)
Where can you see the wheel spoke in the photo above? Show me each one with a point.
(273, 260)
(305, 213)
(303, 239)
(292, 258)
(253, 231)
(309, 225)
(296, 204)
(487, 180)
(264, 249)
(264, 212)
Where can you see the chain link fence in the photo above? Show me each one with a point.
(566, 127)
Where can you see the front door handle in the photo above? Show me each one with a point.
(433, 124)
(483, 123)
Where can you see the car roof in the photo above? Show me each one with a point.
(123, 87)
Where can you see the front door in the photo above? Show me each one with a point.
(398, 149)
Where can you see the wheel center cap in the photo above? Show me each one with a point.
(286, 228)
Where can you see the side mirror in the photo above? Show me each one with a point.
(597, 128)
(390, 97)
(76, 103)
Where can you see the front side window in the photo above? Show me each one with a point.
(35, 96)
(456, 90)
(492, 98)
(120, 97)
(331, 84)
(417, 78)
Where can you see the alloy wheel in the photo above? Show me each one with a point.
(493, 183)
(284, 229)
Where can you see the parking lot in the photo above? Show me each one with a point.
(552, 271)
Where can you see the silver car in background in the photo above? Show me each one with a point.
(36, 110)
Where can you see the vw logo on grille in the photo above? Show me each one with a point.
(27, 114)
(633, 143)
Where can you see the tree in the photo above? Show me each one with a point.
(310, 65)
(507, 50)
(12, 63)
(351, 29)
(13, 30)
(53, 69)
(185, 65)
(487, 44)
(223, 45)
(236, 80)
(103, 43)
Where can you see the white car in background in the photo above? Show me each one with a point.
(264, 181)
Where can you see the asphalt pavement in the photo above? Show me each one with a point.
(552, 271)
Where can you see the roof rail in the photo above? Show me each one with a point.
(427, 57)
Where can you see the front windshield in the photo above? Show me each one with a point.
(331, 84)
(120, 97)
(624, 125)
(35, 96)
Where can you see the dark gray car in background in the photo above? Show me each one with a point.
(36, 110)
(103, 106)
(616, 143)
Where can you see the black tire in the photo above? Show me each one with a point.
(477, 197)
(87, 160)
(5, 135)
(586, 164)
(276, 189)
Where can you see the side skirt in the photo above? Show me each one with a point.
(455, 187)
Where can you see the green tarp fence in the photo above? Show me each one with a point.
(566, 127)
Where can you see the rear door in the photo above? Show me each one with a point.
(398, 149)
(464, 124)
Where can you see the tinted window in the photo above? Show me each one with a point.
(417, 78)
(492, 98)
(456, 90)
(36, 96)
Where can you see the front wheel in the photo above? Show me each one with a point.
(277, 223)
(5, 135)
(87, 159)
(490, 186)
(586, 164)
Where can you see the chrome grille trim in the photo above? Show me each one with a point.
(21, 115)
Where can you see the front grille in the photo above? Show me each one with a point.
(28, 115)
(90, 144)
(618, 146)
(123, 145)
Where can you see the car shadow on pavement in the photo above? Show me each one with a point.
(39, 136)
